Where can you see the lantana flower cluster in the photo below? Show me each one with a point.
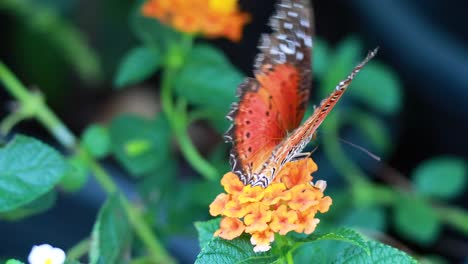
(211, 18)
(289, 203)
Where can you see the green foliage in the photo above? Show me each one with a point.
(232, 251)
(13, 261)
(371, 127)
(37, 206)
(208, 79)
(77, 176)
(321, 58)
(59, 33)
(370, 218)
(378, 87)
(96, 140)
(379, 254)
(198, 83)
(340, 64)
(239, 250)
(415, 219)
(138, 65)
(140, 150)
(152, 33)
(111, 233)
(341, 234)
(441, 177)
(30, 169)
(206, 230)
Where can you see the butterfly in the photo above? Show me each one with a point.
(266, 131)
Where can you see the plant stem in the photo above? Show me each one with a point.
(67, 139)
(179, 121)
(289, 258)
(79, 250)
(35, 105)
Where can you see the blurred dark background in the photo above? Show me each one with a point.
(425, 42)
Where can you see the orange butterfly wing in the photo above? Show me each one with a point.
(273, 104)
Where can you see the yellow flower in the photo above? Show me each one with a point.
(288, 204)
(211, 18)
(223, 6)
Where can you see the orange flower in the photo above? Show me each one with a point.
(251, 194)
(298, 172)
(288, 204)
(303, 197)
(306, 222)
(276, 192)
(262, 240)
(230, 228)
(258, 218)
(231, 183)
(324, 204)
(235, 209)
(283, 220)
(218, 205)
(212, 18)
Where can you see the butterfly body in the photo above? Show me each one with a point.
(266, 131)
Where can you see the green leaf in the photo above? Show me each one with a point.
(39, 205)
(28, 170)
(111, 233)
(238, 250)
(77, 176)
(342, 62)
(321, 58)
(342, 234)
(13, 261)
(370, 218)
(154, 186)
(379, 87)
(379, 254)
(97, 141)
(456, 217)
(372, 128)
(152, 33)
(441, 177)
(415, 219)
(72, 261)
(208, 79)
(206, 230)
(139, 64)
(125, 130)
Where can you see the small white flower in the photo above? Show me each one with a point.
(321, 184)
(46, 254)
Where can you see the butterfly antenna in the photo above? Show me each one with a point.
(372, 155)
